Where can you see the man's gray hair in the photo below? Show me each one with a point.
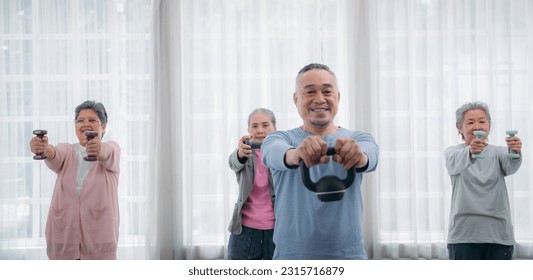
(265, 111)
(315, 66)
(93, 105)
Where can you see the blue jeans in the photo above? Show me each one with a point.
(480, 251)
(251, 244)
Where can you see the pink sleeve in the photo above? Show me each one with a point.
(110, 156)
(57, 163)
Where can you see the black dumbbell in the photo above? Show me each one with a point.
(40, 133)
(90, 135)
(330, 187)
(253, 144)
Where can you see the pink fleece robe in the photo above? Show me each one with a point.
(84, 226)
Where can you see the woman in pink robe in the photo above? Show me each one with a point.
(83, 220)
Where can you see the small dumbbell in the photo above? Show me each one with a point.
(253, 144)
(90, 135)
(40, 133)
(479, 135)
(512, 154)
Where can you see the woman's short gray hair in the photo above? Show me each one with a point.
(460, 113)
(95, 106)
(265, 111)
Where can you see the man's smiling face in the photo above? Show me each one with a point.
(317, 97)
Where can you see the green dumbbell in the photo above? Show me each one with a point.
(512, 154)
(479, 135)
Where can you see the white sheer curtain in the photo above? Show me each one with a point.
(236, 56)
(165, 211)
(55, 54)
(430, 57)
(179, 78)
(404, 67)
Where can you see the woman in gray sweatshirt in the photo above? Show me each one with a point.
(480, 219)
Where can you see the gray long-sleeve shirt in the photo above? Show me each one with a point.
(480, 211)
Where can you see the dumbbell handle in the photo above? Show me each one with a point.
(339, 185)
(90, 135)
(479, 135)
(253, 144)
(512, 154)
(40, 133)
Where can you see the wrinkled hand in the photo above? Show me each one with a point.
(244, 149)
(514, 143)
(39, 145)
(349, 153)
(477, 146)
(92, 147)
(312, 151)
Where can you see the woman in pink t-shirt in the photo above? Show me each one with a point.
(252, 224)
(83, 219)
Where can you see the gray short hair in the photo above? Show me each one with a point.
(265, 111)
(95, 106)
(315, 66)
(312, 66)
(460, 113)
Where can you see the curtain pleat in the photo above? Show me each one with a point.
(179, 78)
